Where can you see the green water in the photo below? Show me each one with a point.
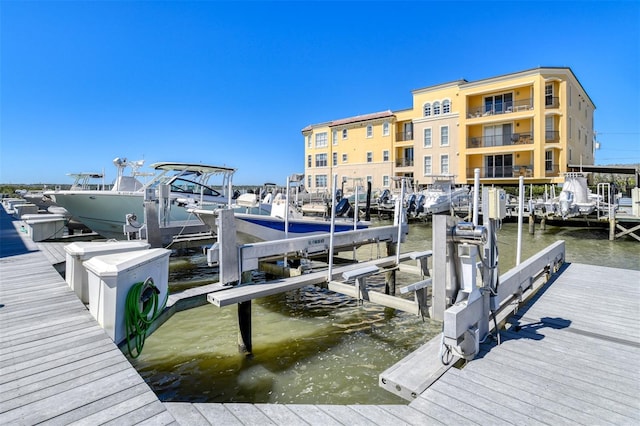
(314, 346)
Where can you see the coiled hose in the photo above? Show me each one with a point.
(141, 309)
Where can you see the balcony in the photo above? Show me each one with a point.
(503, 172)
(404, 136)
(502, 108)
(502, 140)
(404, 162)
(552, 136)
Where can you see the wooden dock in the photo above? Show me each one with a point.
(570, 356)
(57, 364)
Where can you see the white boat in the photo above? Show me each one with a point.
(82, 181)
(575, 198)
(280, 221)
(252, 227)
(175, 186)
(440, 195)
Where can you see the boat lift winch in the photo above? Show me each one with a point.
(466, 277)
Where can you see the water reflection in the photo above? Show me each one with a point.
(315, 346)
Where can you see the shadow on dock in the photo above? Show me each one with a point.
(11, 244)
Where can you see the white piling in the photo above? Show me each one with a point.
(333, 225)
(476, 192)
(520, 214)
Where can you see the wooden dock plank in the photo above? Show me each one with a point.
(510, 399)
(313, 415)
(280, 414)
(186, 413)
(345, 414)
(378, 415)
(410, 415)
(217, 414)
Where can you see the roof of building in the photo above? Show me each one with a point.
(364, 117)
(350, 120)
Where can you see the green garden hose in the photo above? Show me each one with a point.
(141, 309)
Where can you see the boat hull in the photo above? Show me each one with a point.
(251, 228)
(255, 228)
(105, 212)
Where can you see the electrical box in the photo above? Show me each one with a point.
(111, 277)
(497, 203)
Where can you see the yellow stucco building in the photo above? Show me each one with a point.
(533, 123)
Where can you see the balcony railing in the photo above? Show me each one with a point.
(552, 170)
(551, 136)
(503, 172)
(551, 102)
(404, 162)
(503, 108)
(404, 136)
(502, 140)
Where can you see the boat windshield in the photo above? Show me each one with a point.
(186, 186)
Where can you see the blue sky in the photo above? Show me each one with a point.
(233, 83)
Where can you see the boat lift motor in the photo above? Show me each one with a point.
(471, 276)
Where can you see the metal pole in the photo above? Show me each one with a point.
(399, 219)
(520, 213)
(333, 225)
(355, 219)
(476, 196)
(286, 211)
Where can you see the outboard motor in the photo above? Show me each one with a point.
(420, 204)
(384, 197)
(412, 204)
(343, 207)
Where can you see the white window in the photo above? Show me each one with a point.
(385, 155)
(309, 161)
(309, 180)
(334, 135)
(344, 158)
(436, 108)
(308, 141)
(369, 157)
(369, 131)
(444, 164)
(427, 109)
(427, 165)
(321, 181)
(321, 160)
(548, 95)
(334, 159)
(385, 128)
(444, 136)
(385, 180)
(321, 140)
(498, 104)
(344, 133)
(427, 137)
(446, 106)
(548, 161)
